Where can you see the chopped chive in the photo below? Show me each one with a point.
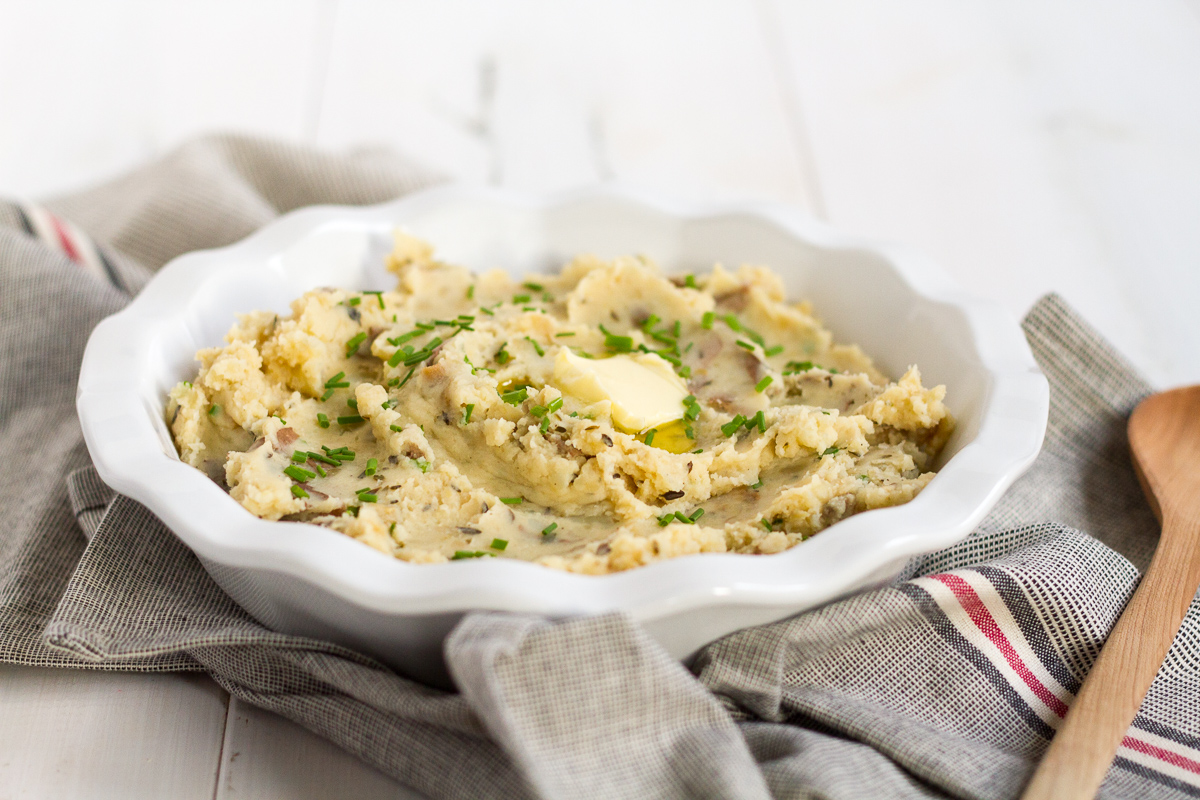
(581, 353)
(350, 419)
(372, 466)
(426, 326)
(539, 411)
(746, 345)
(487, 311)
(404, 337)
(299, 457)
(421, 464)
(461, 554)
(763, 384)
(765, 524)
(516, 396)
(650, 436)
(533, 287)
(706, 321)
(555, 405)
(689, 431)
(756, 485)
(684, 371)
(323, 420)
(667, 355)
(502, 356)
(549, 529)
(689, 281)
(379, 297)
(650, 322)
(323, 459)
(615, 343)
(798, 366)
(830, 451)
(518, 299)
(353, 402)
(731, 427)
(353, 510)
(499, 544)
(391, 528)
(366, 497)
(299, 473)
(537, 347)
(214, 409)
(564, 333)
(328, 394)
(732, 322)
(471, 292)
(677, 328)
(298, 491)
(545, 426)
(422, 354)
(322, 472)
(757, 421)
(336, 382)
(698, 452)
(774, 351)
(665, 520)
(512, 501)
(864, 478)
(396, 428)
(467, 413)
(353, 301)
(697, 514)
(406, 377)
(341, 454)
(679, 515)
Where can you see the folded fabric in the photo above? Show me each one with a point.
(948, 682)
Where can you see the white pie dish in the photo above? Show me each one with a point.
(309, 580)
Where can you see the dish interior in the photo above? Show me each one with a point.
(855, 292)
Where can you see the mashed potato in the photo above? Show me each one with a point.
(592, 421)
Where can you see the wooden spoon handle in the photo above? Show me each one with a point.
(1083, 749)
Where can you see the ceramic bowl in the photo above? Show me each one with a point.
(304, 579)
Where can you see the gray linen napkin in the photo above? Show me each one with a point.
(949, 682)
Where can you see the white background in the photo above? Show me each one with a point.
(1027, 145)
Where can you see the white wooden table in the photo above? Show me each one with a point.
(1027, 145)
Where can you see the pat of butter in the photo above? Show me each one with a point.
(643, 389)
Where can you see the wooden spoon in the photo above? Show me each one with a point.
(1164, 435)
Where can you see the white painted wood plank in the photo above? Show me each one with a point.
(541, 96)
(86, 735)
(1027, 146)
(268, 757)
(89, 90)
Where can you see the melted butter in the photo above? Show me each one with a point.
(671, 437)
(643, 389)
